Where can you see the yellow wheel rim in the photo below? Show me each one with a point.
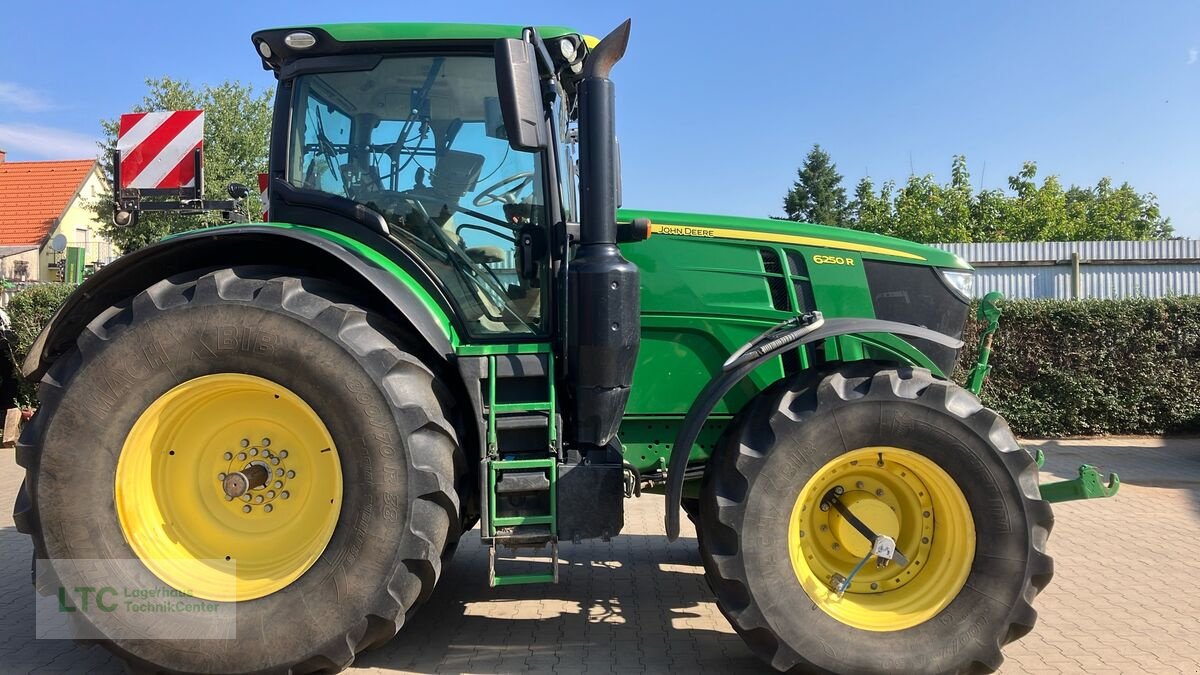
(176, 469)
(897, 493)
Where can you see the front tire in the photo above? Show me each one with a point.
(180, 382)
(919, 459)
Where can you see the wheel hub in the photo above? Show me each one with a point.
(216, 514)
(893, 493)
(869, 510)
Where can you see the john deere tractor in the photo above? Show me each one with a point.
(448, 322)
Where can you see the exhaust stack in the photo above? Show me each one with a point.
(604, 329)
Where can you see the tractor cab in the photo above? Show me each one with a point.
(419, 140)
(409, 131)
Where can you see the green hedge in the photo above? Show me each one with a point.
(1067, 368)
(28, 311)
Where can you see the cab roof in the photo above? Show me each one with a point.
(342, 38)
(360, 32)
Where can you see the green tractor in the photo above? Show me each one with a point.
(449, 322)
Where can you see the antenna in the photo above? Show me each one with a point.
(911, 171)
(982, 173)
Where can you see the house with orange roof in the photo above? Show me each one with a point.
(39, 201)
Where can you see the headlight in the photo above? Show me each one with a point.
(300, 40)
(962, 282)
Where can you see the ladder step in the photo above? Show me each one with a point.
(537, 463)
(550, 577)
(509, 521)
(531, 406)
(524, 536)
(536, 420)
(521, 365)
(509, 482)
(519, 579)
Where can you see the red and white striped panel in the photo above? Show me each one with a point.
(157, 148)
(263, 181)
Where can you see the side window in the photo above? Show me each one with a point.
(415, 139)
(326, 136)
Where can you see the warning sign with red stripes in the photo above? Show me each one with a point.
(263, 181)
(157, 148)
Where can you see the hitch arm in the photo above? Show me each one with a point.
(989, 311)
(1089, 485)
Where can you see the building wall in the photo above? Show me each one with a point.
(1088, 269)
(1095, 281)
(32, 260)
(82, 228)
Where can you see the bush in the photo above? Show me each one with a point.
(1068, 368)
(28, 311)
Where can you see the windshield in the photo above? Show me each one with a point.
(420, 139)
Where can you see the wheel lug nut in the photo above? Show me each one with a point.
(859, 485)
(279, 472)
(291, 474)
(253, 452)
(824, 507)
(284, 494)
(267, 508)
(247, 508)
(258, 499)
(227, 456)
(245, 442)
(874, 586)
(274, 460)
(924, 540)
(925, 514)
(241, 456)
(245, 498)
(838, 489)
(283, 454)
(278, 484)
(879, 493)
(266, 442)
(228, 498)
(824, 528)
(271, 494)
(221, 476)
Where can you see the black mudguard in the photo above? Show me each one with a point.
(223, 247)
(720, 385)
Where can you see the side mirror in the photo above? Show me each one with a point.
(237, 190)
(521, 95)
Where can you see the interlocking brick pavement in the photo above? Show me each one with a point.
(1124, 598)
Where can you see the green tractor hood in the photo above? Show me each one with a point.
(787, 232)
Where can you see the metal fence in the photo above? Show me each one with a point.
(1067, 270)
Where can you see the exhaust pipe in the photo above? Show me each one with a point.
(604, 329)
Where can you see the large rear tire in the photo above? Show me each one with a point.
(208, 374)
(916, 458)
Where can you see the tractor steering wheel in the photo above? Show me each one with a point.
(493, 194)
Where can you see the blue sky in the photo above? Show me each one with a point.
(718, 102)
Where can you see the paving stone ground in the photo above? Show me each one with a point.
(1125, 597)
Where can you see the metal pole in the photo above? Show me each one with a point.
(1076, 280)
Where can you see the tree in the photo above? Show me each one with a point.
(871, 211)
(237, 124)
(817, 196)
(926, 211)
